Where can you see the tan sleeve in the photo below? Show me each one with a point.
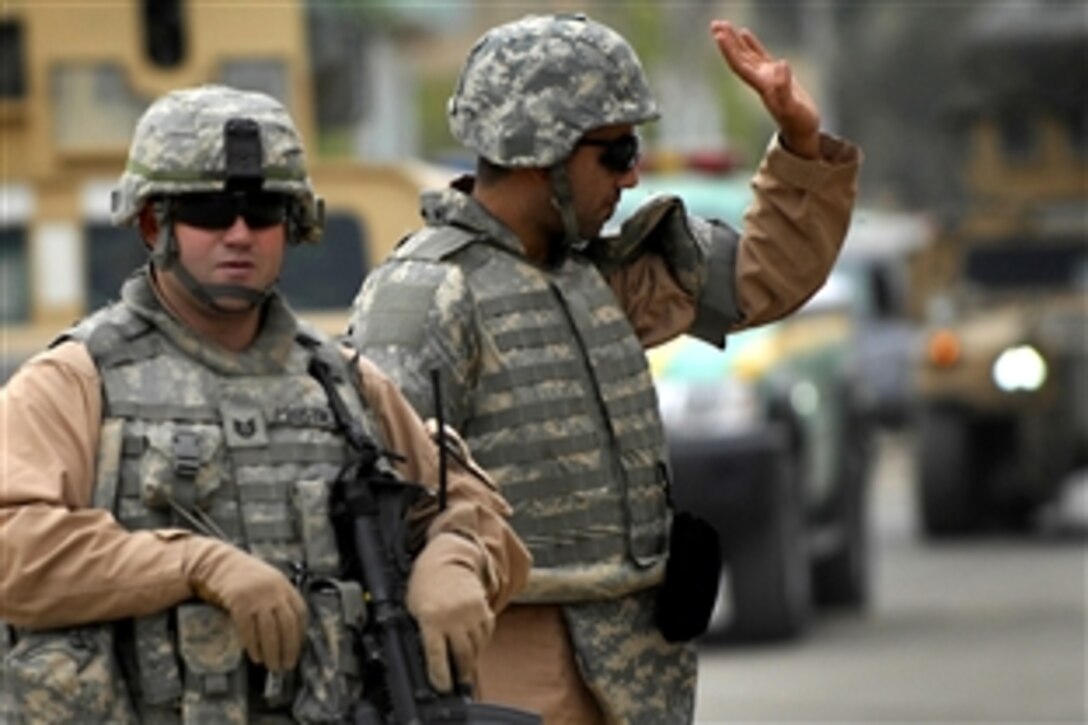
(794, 228)
(792, 234)
(475, 509)
(63, 563)
(657, 306)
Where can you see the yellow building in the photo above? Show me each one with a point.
(75, 77)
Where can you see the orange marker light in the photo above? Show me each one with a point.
(944, 349)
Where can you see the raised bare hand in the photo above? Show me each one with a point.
(784, 97)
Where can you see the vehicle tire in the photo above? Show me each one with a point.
(770, 574)
(946, 491)
(842, 578)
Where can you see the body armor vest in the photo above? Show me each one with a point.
(564, 416)
(242, 446)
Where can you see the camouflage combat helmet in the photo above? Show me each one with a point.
(179, 146)
(530, 89)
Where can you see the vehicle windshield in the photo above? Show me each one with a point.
(836, 293)
(1054, 266)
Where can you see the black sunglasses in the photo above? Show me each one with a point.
(218, 210)
(620, 154)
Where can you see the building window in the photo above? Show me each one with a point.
(14, 273)
(94, 106)
(164, 32)
(113, 253)
(12, 61)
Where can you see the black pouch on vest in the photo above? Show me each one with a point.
(686, 598)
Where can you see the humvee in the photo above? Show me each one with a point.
(1003, 376)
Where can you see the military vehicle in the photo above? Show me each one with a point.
(1003, 376)
(75, 77)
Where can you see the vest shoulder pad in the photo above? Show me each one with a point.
(434, 243)
(322, 346)
(105, 331)
(310, 337)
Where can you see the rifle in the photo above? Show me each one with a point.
(368, 507)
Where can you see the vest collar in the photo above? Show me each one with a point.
(455, 206)
(268, 353)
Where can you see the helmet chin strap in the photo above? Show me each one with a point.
(165, 256)
(563, 201)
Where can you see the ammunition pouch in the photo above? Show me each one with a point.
(329, 670)
(64, 675)
(215, 667)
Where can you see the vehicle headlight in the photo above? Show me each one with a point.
(710, 408)
(1019, 368)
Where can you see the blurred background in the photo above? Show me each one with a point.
(898, 472)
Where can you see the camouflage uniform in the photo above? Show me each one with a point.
(197, 442)
(239, 446)
(543, 367)
(546, 378)
(235, 445)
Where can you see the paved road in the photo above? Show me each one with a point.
(984, 631)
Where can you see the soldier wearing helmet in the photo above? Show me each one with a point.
(164, 501)
(538, 324)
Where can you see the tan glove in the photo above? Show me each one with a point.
(267, 610)
(447, 598)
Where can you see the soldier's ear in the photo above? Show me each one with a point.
(149, 226)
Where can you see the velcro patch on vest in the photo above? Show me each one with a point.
(304, 417)
(243, 425)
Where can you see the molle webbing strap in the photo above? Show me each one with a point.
(638, 439)
(517, 377)
(435, 243)
(530, 301)
(531, 337)
(262, 491)
(626, 403)
(616, 368)
(563, 518)
(557, 484)
(162, 412)
(548, 553)
(525, 453)
(537, 411)
(288, 453)
(271, 531)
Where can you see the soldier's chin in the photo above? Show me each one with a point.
(235, 298)
(233, 305)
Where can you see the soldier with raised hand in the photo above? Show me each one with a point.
(539, 325)
(164, 499)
